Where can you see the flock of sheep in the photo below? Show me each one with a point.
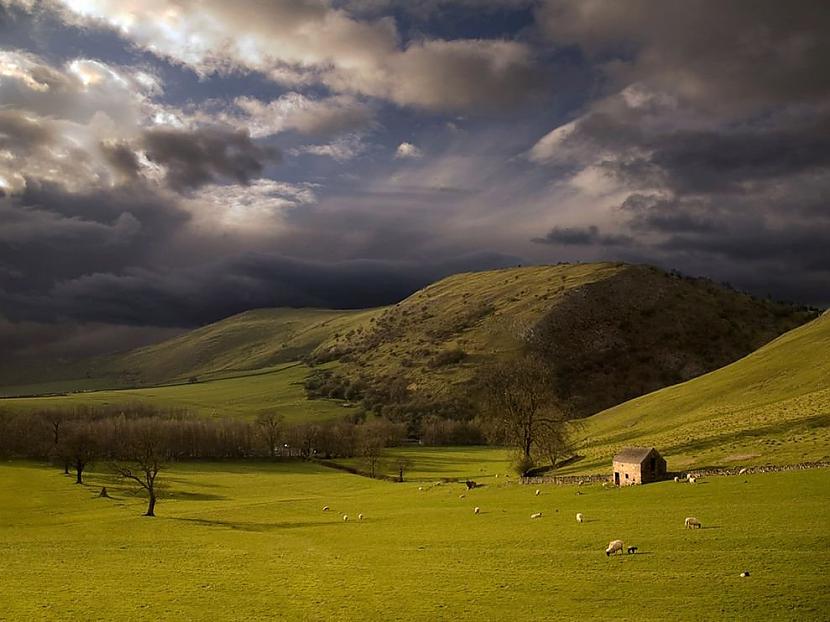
(615, 546)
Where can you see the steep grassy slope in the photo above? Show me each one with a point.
(772, 406)
(276, 389)
(610, 331)
(251, 340)
(250, 542)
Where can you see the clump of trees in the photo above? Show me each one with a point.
(137, 443)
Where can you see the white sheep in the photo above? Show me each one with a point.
(325, 508)
(477, 510)
(360, 517)
(536, 515)
(420, 488)
(742, 471)
(580, 518)
(676, 479)
(691, 523)
(614, 546)
(692, 480)
(461, 496)
(538, 492)
(345, 517)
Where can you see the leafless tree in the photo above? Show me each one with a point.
(521, 401)
(270, 428)
(79, 446)
(144, 454)
(403, 464)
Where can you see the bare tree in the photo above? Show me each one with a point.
(144, 454)
(521, 401)
(79, 446)
(403, 464)
(270, 427)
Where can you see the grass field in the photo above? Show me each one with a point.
(772, 406)
(241, 542)
(278, 389)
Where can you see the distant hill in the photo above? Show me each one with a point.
(770, 407)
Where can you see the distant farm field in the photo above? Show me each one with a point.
(276, 389)
(235, 542)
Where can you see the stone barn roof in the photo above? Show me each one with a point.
(633, 454)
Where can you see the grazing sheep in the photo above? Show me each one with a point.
(538, 492)
(692, 480)
(461, 496)
(536, 515)
(345, 517)
(745, 573)
(613, 547)
(632, 550)
(742, 472)
(325, 508)
(477, 510)
(691, 523)
(360, 517)
(580, 518)
(420, 487)
(676, 479)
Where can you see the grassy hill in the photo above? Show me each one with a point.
(611, 332)
(772, 406)
(250, 542)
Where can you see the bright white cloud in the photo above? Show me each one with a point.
(408, 150)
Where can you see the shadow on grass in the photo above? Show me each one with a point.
(251, 526)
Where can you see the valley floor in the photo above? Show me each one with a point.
(250, 541)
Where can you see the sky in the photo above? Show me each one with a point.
(167, 163)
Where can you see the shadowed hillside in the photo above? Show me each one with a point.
(772, 406)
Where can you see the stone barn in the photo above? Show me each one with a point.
(638, 465)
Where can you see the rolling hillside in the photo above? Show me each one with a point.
(248, 341)
(772, 406)
(611, 332)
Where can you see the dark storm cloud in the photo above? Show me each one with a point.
(648, 213)
(121, 158)
(581, 236)
(725, 56)
(50, 233)
(201, 294)
(198, 157)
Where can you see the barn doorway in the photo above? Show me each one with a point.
(616, 478)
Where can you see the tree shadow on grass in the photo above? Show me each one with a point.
(251, 526)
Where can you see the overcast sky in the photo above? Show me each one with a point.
(168, 163)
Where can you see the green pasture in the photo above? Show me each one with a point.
(277, 389)
(251, 542)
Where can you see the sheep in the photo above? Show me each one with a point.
(421, 488)
(580, 518)
(742, 472)
(745, 573)
(477, 510)
(632, 550)
(691, 523)
(676, 479)
(692, 480)
(461, 496)
(345, 517)
(325, 508)
(536, 515)
(613, 547)
(538, 492)
(360, 516)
